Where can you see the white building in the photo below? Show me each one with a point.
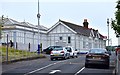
(23, 33)
(79, 37)
(62, 33)
(119, 41)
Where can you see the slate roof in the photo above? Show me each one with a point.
(95, 32)
(83, 30)
(77, 28)
(42, 27)
(9, 21)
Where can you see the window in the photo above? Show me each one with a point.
(90, 45)
(69, 49)
(60, 38)
(69, 39)
(84, 44)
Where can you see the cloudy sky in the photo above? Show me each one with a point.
(74, 11)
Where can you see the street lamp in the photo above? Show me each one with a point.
(38, 16)
(108, 29)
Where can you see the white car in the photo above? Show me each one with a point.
(59, 52)
(73, 53)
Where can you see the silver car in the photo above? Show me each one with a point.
(59, 52)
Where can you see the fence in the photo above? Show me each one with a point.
(13, 54)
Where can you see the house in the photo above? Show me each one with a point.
(62, 33)
(79, 37)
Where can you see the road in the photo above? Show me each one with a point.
(72, 66)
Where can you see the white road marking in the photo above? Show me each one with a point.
(38, 69)
(42, 68)
(54, 71)
(80, 71)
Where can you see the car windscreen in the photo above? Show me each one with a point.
(97, 51)
(58, 48)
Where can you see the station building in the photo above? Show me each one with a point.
(63, 33)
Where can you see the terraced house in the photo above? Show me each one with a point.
(24, 34)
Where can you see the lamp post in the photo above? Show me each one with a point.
(38, 16)
(108, 29)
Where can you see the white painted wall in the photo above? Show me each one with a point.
(119, 41)
(61, 31)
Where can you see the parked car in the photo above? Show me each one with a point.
(84, 51)
(77, 51)
(59, 52)
(97, 56)
(49, 49)
(73, 53)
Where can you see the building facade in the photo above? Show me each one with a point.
(25, 35)
(119, 41)
(79, 37)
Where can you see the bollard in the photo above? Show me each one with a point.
(16, 45)
(41, 47)
(29, 47)
(38, 51)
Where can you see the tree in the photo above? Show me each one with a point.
(116, 23)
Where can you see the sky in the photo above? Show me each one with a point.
(74, 11)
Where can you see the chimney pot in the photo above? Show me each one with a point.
(85, 23)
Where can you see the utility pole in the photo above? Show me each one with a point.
(38, 16)
(108, 29)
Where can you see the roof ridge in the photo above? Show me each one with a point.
(77, 28)
(70, 23)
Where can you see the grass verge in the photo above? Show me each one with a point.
(17, 55)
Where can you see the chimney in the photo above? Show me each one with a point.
(85, 23)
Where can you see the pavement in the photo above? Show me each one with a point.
(18, 63)
(24, 59)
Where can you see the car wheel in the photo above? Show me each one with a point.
(107, 66)
(56, 58)
(64, 58)
(73, 56)
(76, 56)
(68, 57)
(86, 65)
(51, 58)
